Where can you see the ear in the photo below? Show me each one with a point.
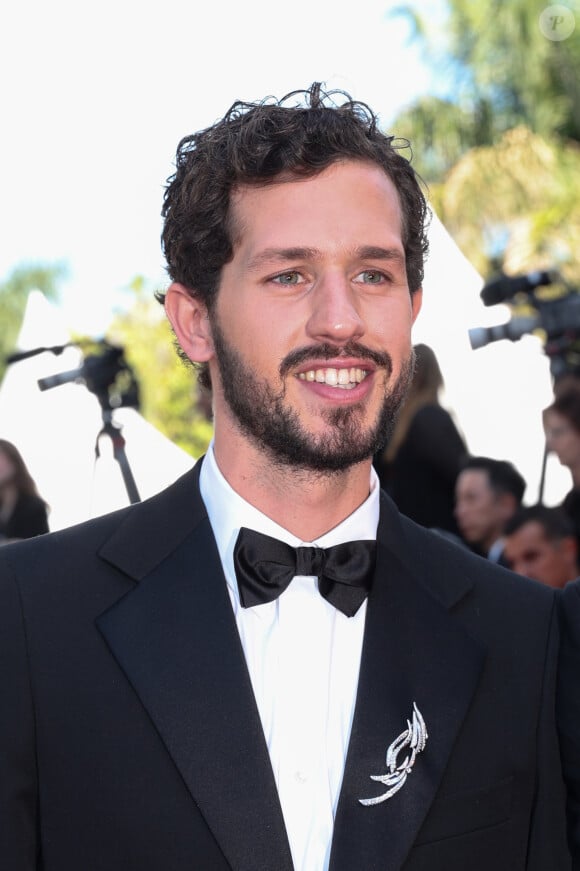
(189, 318)
(508, 505)
(416, 302)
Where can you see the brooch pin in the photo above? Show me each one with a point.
(412, 739)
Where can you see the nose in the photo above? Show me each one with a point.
(334, 315)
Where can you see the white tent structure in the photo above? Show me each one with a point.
(56, 430)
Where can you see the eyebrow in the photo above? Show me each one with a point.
(287, 255)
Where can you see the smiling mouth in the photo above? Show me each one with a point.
(346, 379)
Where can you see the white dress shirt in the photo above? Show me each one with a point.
(303, 656)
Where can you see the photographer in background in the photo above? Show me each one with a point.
(487, 495)
(419, 466)
(23, 513)
(562, 428)
(540, 544)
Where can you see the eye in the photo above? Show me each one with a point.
(288, 279)
(371, 276)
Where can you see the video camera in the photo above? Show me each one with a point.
(104, 372)
(556, 314)
(107, 375)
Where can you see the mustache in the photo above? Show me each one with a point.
(327, 351)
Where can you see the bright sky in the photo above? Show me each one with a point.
(95, 99)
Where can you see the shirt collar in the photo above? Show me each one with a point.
(496, 550)
(228, 511)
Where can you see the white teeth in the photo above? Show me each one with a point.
(344, 378)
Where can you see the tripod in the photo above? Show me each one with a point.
(99, 373)
(118, 442)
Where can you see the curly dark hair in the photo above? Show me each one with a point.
(256, 143)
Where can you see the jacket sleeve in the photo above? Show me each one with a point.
(18, 776)
(547, 844)
(568, 710)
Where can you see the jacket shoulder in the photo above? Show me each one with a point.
(144, 521)
(443, 563)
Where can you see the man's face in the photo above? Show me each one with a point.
(479, 510)
(311, 328)
(530, 553)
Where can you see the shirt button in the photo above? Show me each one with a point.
(301, 777)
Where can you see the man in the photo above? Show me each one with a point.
(568, 710)
(540, 544)
(349, 691)
(487, 493)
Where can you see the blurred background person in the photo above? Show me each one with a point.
(488, 493)
(23, 513)
(566, 382)
(562, 428)
(419, 466)
(540, 543)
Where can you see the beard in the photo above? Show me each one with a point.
(264, 415)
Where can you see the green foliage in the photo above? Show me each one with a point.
(526, 187)
(442, 131)
(13, 296)
(170, 397)
(500, 72)
(500, 152)
(528, 78)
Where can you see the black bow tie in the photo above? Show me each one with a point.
(265, 566)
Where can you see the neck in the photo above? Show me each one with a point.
(304, 502)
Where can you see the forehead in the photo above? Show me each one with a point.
(530, 536)
(348, 202)
(532, 531)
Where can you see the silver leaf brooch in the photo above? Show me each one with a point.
(410, 742)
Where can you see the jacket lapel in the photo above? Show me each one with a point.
(174, 635)
(413, 652)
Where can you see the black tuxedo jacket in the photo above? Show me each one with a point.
(130, 739)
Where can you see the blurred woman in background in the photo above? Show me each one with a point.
(421, 461)
(23, 513)
(562, 429)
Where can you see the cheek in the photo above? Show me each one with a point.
(393, 328)
(5, 467)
